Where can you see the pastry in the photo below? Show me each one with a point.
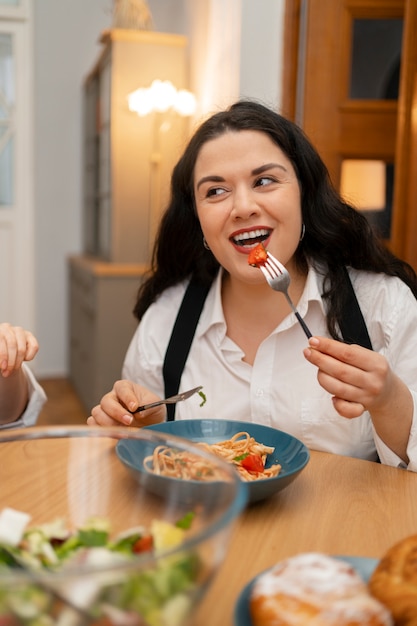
(315, 590)
(394, 581)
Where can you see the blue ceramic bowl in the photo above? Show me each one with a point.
(291, 453)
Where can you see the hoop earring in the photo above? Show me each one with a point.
(303, 231)
(205, 244)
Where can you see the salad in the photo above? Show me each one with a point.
(158, 595)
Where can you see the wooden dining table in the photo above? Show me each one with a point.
(337, 505)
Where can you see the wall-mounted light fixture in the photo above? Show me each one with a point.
(363, 183)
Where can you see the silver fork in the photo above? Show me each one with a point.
(278, 278)
(180, 396)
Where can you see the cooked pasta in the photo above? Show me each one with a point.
(242, 450)
(175, 463)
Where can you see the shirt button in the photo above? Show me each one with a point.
(259, 393)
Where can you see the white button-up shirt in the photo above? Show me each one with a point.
(37, 399)
(280, 389)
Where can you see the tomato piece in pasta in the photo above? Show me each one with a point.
(253, 463)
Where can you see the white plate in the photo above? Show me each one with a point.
(363, 566)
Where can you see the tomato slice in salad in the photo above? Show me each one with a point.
(257, 256)
(143, 544)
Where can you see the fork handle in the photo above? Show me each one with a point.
(303, 325)
(144, 407)
(298, 316)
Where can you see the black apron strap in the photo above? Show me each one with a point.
(181, 339)
(352, 324)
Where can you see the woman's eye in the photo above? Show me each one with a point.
(216, 191)
(264, 181)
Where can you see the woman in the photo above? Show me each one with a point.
(21, 396)
(249, 175)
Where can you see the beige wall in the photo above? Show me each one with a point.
(66, 46)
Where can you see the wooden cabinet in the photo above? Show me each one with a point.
(127, 169)
(128, 159)
(102, 297)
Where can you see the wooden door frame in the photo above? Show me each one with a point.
(404, 226)
(292, 17)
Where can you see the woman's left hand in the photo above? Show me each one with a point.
(359, 379)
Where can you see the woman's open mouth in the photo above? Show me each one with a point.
(250, 238)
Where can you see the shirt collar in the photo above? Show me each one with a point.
(312, 291)
(213, 310)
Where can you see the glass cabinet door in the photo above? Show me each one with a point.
(7, 89)
(350, 108)
(375, 66)
(16, 165)
(15, 9)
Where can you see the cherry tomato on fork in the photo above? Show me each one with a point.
(257, 256)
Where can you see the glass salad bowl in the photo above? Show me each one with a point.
(86, 540)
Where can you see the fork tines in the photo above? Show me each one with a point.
(267, 271)
(272, 268)
(279, 268)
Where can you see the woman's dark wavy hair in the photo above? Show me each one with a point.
(335, 233)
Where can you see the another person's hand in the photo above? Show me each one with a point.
(116, 407)
(16, 345)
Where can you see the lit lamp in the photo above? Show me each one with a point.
(162, 96)
(159, 99)
(363, 183)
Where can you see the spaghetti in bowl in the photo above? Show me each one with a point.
(285, 452)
